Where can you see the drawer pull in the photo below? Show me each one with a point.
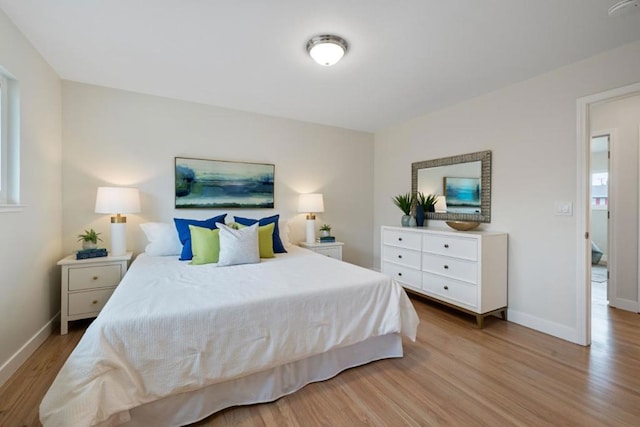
(399, 239)
(446, 288)
(446, 267)
(399, 274)
(95, 277)
(400, 256)
(446, 245)
(95, 301)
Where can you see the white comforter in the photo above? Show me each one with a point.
(171, 327)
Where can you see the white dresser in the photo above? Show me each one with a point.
(466, 270)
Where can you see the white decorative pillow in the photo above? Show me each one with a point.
(283, 226)
(238, 246)
(163, 239)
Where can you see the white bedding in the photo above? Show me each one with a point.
(171, 327)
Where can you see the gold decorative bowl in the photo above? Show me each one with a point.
(463, 225)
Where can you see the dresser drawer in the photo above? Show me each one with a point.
(453, 291)
(459, 247)
(88, 302)
(92, 277)
(403, 274)
(455, 268)
(404, 239)
(402, 256)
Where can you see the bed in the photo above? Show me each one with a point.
(178, 342)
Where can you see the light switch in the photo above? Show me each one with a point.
(563, 208)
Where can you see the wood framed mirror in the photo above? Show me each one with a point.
(463, 180)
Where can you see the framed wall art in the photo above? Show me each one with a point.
(214, 184)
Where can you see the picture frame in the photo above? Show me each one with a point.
(216, 184)
(463, 194)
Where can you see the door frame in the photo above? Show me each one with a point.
(583, 202)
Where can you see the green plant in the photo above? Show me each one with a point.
(325, 227)
(89, 236)
(426, 201)
(404, 202)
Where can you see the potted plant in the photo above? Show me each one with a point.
(325, 230)
(405, 202)
(89, 239)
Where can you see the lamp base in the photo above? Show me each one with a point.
(311, 230)
(118, 238)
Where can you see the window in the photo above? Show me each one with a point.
(9, 138)
(599, 190)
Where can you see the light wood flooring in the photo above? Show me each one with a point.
(454, 374)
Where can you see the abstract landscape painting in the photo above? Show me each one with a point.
(463, 194)
(221, 184)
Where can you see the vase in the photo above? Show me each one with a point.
(89, 245)
(412, 221)
(419, 216)
(324, 233)
(405, 220)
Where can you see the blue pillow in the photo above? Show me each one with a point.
(278, 247)
(182, 225)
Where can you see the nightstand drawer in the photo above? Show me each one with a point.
(334, 252)
(88, 302)
(92, 277)
(451, 290)
(458, 247)
(455, 268)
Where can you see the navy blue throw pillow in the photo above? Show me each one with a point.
(182, 225)
(278, 247)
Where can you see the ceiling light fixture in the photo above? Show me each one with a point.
(623, 7)
(327, 49)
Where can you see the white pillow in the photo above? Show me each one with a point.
(283, 226)
(238, 246)
(163, 239)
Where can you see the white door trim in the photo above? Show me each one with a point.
(583, 224)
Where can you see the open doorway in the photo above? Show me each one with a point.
(600, 214)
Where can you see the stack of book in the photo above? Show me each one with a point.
(326, 239)
(91, 253)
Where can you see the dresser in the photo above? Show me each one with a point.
(87, 285)
(331, 249)
(464, 270)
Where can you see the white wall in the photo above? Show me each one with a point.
(113, 137)
(622, 116)
(531, 129)
(29, 277)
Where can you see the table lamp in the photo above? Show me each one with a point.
(118, 200)
(311, 204)
(441, 204)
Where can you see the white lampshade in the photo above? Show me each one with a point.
(327, 49)
(118, 200)
(441, 204)
(311, 203)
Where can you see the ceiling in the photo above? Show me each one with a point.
(406, 57)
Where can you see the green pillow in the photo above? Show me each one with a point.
(205, 245)
(265, 239)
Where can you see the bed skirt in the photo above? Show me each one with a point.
(266, 386)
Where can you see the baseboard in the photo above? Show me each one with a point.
(20, 356)
(624, 304)
(555, 329)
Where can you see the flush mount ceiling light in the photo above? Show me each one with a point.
(327, 49)
(624, 7)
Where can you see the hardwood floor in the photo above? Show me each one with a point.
(454, 374)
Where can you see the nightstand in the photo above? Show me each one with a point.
(332, 249)
(87, 284)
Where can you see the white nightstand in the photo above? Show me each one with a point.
(87, 284)
(333, 249)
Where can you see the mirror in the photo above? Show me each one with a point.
(464, 180)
